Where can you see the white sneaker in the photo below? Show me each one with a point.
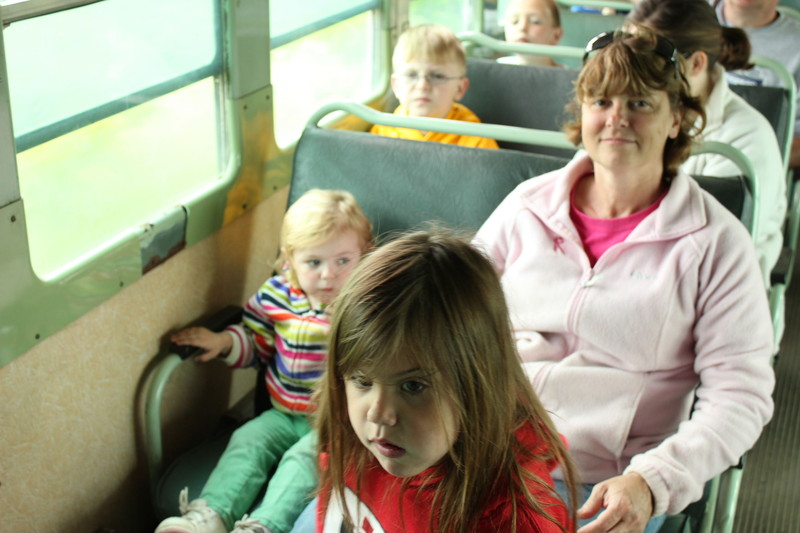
(197, 517)
(249, 525)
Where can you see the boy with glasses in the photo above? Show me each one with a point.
(429, 78)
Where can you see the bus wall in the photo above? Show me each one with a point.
(70, 436)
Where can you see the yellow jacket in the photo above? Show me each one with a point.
(457, 112)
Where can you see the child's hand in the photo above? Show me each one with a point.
(214, 344)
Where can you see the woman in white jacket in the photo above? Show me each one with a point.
(709, 50)
(631, 290)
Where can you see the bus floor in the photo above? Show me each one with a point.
(769, 499)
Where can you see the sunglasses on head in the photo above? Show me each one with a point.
(663, 48)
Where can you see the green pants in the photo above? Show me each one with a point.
(272, 438)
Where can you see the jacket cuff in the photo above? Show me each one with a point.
(236, 348)
(658, 488)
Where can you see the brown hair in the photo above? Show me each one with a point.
(315, 217)
(429, 43)
(432, 297)
(630, 64)
(692, 26)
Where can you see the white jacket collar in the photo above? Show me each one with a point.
(717, 100)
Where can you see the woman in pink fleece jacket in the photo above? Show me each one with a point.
(631, 291)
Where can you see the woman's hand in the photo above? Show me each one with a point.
(213, 344)
(628, 505)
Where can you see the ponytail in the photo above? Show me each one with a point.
(735, 51)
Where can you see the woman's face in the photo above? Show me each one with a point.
(628, 131)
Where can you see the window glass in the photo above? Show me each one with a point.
(86, 63)
(116, 117)
(291, 20)
(446, 12)
(337, 63)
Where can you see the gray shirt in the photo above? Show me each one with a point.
(779, 40)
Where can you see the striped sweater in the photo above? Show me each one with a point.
(281, 330)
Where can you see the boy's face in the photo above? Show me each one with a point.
(321, 270)
(427, 89)
(530, 21)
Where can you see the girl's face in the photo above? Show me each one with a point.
(394, 414)
(531, 21)
(321, 270)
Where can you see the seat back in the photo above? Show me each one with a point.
(733, 193)
(774, 104)
(520, 95)
(401, 184)
(581, 26)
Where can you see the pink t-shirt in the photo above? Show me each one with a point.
(600, 234)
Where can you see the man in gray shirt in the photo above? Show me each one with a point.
(773, 35)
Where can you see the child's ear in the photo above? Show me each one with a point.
(557, 35)
(677, 117)
(287, 262)
(463, 85)
(698, 62)
(394, 82)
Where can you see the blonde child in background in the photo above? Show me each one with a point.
(430, 76)
(532, 22)
(285, 327)
(426, 420)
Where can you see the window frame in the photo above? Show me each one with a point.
(13, 11)
(33, 307)
(320, 24)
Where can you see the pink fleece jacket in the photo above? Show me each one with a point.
(617, 351)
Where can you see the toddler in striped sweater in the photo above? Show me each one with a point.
(285, 328)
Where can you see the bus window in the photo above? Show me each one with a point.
(116, 115)
(322, 51)
(458, 15)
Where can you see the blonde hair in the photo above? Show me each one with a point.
(550, 5)
(429, 43)
(431, 297)
(630, 64)
(315, 217)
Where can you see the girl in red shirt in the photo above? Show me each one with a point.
(426, 420)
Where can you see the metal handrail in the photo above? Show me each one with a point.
(789, 11)
(554, 139)
(748, 171)
(481, 39)
(789, 84)
(154, 444)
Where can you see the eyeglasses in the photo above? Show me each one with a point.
(435, 79)
(664, 47)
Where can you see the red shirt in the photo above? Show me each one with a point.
(381, 508)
